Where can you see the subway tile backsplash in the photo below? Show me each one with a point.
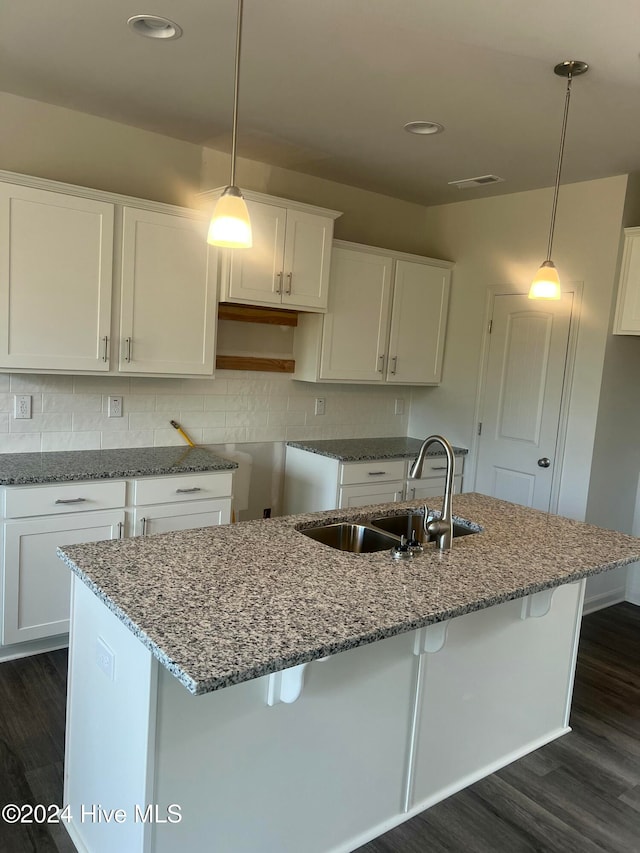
(70, 412)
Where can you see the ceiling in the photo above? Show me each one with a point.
(327, 85)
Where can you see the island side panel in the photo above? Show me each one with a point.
(111, 704)
(317, 775)
(499, 688)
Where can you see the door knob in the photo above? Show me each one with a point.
(544, 462)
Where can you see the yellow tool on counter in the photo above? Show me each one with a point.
(177, 426)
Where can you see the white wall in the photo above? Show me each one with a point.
(502, 241)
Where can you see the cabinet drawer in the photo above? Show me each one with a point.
(430, 488)
(371, 493)
(377, 471)
(54, 499)
(182, 487)
(436, 466)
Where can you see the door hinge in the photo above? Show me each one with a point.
(490, 326)
(480, 429)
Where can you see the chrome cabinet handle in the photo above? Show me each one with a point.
(105, 354)
(71, 500)
(188, 491)
(120, 530)
(376, 473)
(143, 525)
(439, 468)
(128, 353)
(289, 280)
(381, 367)
(279, 284)
(394, 369)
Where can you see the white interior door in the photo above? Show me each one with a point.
(522, 398)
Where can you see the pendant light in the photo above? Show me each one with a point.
(230, 225)
(546, 282)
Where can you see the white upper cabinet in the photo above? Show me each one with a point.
(55, 280)
(386, 321)
(288, 264)
(627, 319)
(168, 307)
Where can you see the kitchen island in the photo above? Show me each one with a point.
(340, 693)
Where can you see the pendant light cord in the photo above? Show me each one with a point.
(236, 90)
(559, 170)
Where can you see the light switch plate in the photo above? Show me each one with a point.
(320, 405)
(399, 406)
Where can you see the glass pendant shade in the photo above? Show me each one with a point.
(230, 225)
(546, 283)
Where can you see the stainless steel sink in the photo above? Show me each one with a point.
(411, 523)
(357, 538)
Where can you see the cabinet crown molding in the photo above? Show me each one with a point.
(98, 195)
(252, 195)
(395, 255)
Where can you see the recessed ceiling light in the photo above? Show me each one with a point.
(424, 128)
(154, 27)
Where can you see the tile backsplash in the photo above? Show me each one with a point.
(70, 412)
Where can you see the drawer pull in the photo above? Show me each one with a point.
(439, 468)
(143, 526)
(188, 491)
(71, 500)
(376, 473)
(120, 530)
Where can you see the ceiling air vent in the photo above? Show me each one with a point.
(480, 181)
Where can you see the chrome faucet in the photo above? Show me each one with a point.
(441, 528)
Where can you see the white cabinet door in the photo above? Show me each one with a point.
(55, 280)
(418, 323)
(168, 314)
(354, 337)
(307, 257)
(180, 516)
(255, 276)
(36, 582)
(627, 319)
(365, 494)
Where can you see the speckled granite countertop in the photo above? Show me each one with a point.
(24, 468)
(363, 449)
(222, 605)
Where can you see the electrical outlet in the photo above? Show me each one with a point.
(115, 407)
(320, 405)
(22, 406)
(106, 659)
(266, 512)
(399, 406)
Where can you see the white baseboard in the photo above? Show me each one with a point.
(33, 647)
(602, 600)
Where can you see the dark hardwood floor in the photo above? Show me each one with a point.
(579, 794)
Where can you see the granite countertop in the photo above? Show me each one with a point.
(25, 468)
(364, 449)
(221, 605)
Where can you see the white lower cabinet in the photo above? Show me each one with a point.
(35, 583)
(38, 519)
(314, 483)
(375, 735)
